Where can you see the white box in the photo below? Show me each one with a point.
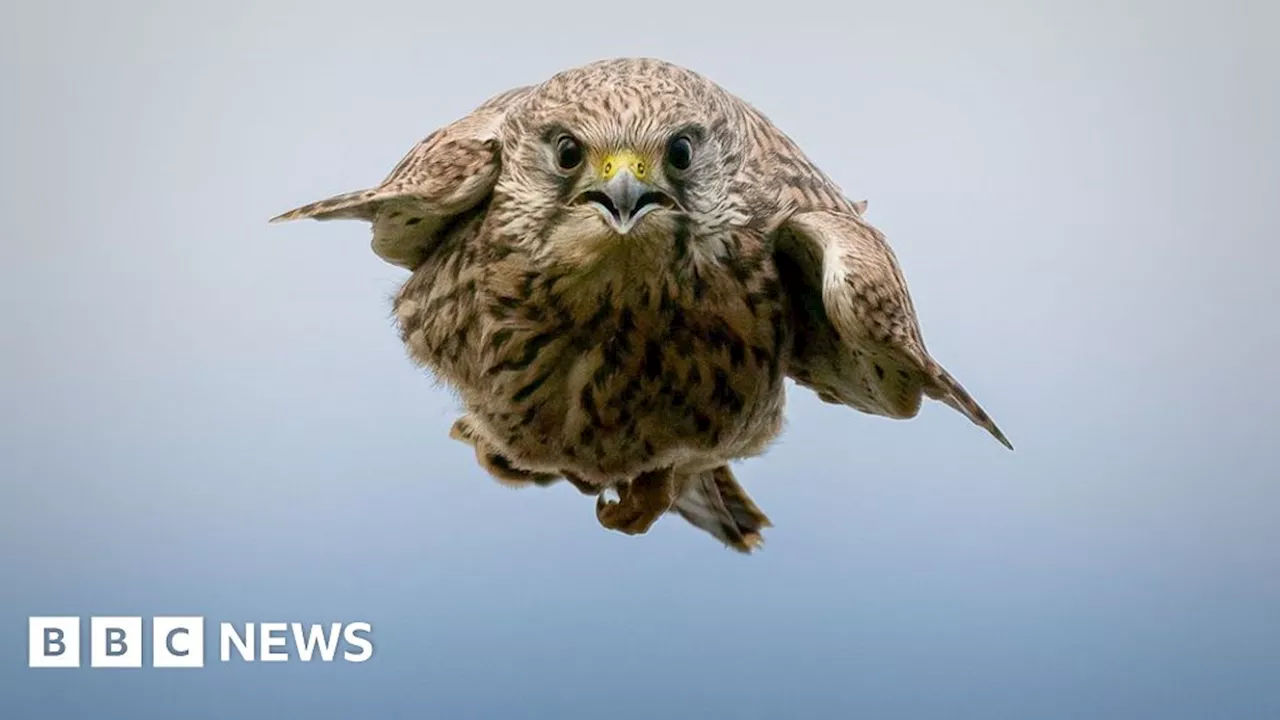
(53, 633)
(177, 642)
(115, 642)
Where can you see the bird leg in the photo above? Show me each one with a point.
(497, 464)
(640, 502)
(583, 486)
(501, 469)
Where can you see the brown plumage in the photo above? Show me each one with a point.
(616, 270)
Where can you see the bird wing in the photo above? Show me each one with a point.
(857, 341)
(451, 171)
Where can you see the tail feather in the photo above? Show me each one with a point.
(948, 390)
(714, 501)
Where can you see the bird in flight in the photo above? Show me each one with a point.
(617, 269)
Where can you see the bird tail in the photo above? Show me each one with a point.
(714, 501)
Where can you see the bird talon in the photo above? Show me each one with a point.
(640, 503)
(609, 496)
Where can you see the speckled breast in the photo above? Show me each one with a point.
(664, 373)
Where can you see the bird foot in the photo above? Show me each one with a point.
(640, 503)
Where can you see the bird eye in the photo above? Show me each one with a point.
(680, 153)
(568, 153)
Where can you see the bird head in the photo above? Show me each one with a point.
(617, 158)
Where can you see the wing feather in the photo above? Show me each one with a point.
(451, 171)
(858, 339)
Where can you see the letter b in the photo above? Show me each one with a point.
(53, 645)
(116, 646)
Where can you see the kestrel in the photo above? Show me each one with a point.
(616, 269)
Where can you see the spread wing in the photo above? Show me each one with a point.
(450, 172)
(858, 341)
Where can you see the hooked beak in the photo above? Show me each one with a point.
(625, 196)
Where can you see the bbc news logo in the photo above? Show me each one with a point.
(178, 642)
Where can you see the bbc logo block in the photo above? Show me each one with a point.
(53, 642)
(115, 642)
(177, 642)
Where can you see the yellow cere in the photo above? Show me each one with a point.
(623, 159)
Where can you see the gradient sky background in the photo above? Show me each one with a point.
(203, 414)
